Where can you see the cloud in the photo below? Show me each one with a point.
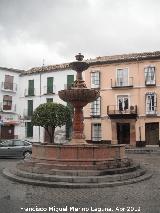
(56, 30)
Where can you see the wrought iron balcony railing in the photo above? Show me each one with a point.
(29, 92)
(120, 83)
(48, 90)
(8, 108)
(114, 111)
(10, 87)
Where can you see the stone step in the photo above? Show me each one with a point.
(53, 171)
(110, 166)
(143, 150)
(7, 173)
(80, 179)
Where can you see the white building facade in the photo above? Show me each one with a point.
(9, 103)
(30, 89)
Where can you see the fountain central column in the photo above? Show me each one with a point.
(78, 126)
(79, 96)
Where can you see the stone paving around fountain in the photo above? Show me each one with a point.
(144, 194)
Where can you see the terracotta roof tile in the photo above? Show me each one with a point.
(98, 60)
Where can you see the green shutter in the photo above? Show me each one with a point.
(70, 80)
(30, 107)
(49, 100)
(31, 87)
(29, 129)
(49, 85)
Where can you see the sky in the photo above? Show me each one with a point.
(54, 31)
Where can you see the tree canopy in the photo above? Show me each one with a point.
(51, 115)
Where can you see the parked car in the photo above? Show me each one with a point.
(15, 148)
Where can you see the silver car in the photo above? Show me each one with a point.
(15, 148)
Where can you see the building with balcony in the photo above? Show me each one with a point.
(21, 92)
(40, 85)
(9, 103)
(128, 109)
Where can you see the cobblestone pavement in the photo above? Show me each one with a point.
(143, 197)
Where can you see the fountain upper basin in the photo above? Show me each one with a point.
(79, 96)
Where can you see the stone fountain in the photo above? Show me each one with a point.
(78, 96)
(78, 164)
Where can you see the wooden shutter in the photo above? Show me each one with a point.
(29, 129)
(31, 87)
(8, 84)
(7, 102)
(49, 85)
(49, 100)
(70, 80)
(30, 107)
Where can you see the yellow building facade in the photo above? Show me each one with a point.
(128, 110)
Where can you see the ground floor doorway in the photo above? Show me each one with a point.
(123, 133)
(152, 133)
(7, 132)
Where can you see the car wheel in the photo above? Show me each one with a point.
(27, 155)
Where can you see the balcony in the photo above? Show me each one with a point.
(150, 113)
(8, 108)
(29, 92)
(114, 113)
(8, 87)
(150, 82)
(117, 84)
(48, 90)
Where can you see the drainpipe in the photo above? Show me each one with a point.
(140, 133)
(40, 94)
(40, 103)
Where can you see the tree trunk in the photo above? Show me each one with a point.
(50, 131)
(52, 135)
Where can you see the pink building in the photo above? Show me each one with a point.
(128, 110)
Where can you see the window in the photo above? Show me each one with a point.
(70, 80)
(151, 103)
(122, 77)
(49, 100)
(7, 143)
(18, 143)
(150, 75)
(7, 102)
(96, 132)
(123, 103)
(30, 107)
(49, 85)
(96, 107)
(31, 87)
(95, 79)
(8, 84)
(29, 130)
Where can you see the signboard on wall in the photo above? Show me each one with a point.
(9, 119)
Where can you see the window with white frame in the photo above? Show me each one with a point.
(7, 102)
(96, 132)
(122, 77)
(96, 107)
(151, 103)
(95, 79)
(122, 102)
(150, 75)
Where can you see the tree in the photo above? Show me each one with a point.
(51, 115)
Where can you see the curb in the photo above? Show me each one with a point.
(143, 151)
